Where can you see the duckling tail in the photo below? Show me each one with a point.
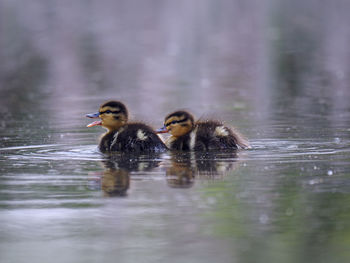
(241, 141)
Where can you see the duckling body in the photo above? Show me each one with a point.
(121, 135)
(133, 137)
(200, 136)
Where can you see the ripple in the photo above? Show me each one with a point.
(53, 152)
(263, 149)
(296, 150)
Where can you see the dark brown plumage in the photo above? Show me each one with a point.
(200, 136)
(121, 135)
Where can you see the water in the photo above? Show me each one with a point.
(276, 70)
(283, 199)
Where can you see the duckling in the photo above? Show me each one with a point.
(121, 135)
(186, 134)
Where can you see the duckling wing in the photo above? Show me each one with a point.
(213, 135)
(138, 138)
(231, 139)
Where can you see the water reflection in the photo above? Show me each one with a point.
(181, 173)
(182, 169)
(187, 167)
(115, 180)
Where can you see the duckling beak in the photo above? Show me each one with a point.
(95, 123)
(93, 115)
(162, 130)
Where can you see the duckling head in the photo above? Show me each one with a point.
(113, 115)
(178, 123)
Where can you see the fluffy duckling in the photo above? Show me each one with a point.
(121, 135)
(186, 134)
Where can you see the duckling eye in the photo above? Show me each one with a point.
(109, 111)
(172, 122)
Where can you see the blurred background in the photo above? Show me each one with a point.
(60, 57)
(278, 70)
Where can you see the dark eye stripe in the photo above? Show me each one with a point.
(109, 111)
(174, 122)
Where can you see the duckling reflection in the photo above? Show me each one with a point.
(185, 167)
(115, 180)
(215, 165)
(181, 173)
